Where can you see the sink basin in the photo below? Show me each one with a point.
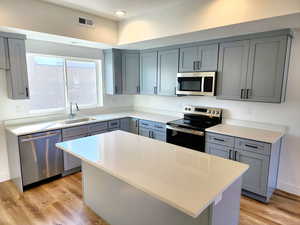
(80, 120)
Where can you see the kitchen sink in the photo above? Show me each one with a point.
(80, 120)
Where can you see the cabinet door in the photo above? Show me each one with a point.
(188, 57)
(232, 69)
(113, 71)
(125, 124)
(144, 132)
(130, 73)
(70, 161)
(161, 136)
(255, 179)
(218, 150)
(148, 73)
(208, 58)
(17, 77)
(4, 62)
(134, 125)
(266, 69)
(167, 72)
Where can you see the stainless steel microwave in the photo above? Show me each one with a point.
(200, 83)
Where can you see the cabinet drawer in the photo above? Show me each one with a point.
(75, 131)
(146, 123)
(113, 124)
(98, 127)
(253, 146)
(220, 139)
(159, 127)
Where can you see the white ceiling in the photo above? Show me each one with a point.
(107, 8)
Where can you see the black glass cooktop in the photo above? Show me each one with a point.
(200, 125)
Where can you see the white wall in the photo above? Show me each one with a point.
(286, 114)
(13, 109)
(44, 17)
(196, 15)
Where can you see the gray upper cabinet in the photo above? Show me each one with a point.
(17, 77)
(167, 72)
(208, 58)
(232, 69)
(130, 72)
(199, 58)
(148, 73)
(113, 71)
(4, 62)
(254, 69)
(188, 57)
(256, 177)
(266, 69)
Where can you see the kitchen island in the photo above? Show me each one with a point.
(134, 180)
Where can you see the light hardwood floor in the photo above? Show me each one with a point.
(60, 203)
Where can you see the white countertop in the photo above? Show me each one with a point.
(185, 179)
(23, 129)
(267, 136)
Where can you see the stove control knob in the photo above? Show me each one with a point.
(213, 112)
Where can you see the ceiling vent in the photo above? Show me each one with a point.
(85, 22)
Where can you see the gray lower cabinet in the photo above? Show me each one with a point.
(254, 69)
(167, 72)
(17, 76)
(260, 180)
(129, 124)
(130, 72)
(152, 129)
(198, 58)
(148, 73)
(256, 178)
(113, 71)
(73, 164)
(218, 150)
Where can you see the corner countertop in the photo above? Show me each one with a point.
(185, 179)
(29, 128)
(262, 135)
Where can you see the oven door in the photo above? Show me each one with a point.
(186, 138)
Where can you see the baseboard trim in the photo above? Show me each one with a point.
(4, 177)
(288, 188)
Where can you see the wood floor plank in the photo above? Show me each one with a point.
(60, 203)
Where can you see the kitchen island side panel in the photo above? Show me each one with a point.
(119, 203)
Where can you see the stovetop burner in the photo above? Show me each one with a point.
(198, 118)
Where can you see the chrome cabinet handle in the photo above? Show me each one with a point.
(230, 154)
(27, 92)
(116, 89)
(242, 92)
(235, 155)
(194, 65)
(218, 139)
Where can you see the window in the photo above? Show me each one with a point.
(54, 82)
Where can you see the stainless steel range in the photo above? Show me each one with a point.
(190, 131)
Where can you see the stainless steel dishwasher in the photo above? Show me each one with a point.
(40, 159)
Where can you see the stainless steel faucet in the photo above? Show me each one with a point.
(73, 114)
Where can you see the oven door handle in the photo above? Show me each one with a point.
(184, 130)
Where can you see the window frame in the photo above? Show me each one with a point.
(99, 84)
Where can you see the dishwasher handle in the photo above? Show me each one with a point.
(39, 137)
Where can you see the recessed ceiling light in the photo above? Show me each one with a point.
(120, 13)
